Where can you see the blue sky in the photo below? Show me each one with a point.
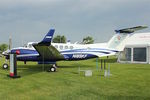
(29, 20)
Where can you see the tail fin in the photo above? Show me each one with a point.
(48, 38)
(118, 41)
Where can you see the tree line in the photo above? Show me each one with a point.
(3, 47)
(62, 39)
(56, 39)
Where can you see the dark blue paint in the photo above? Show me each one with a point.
(25, 51)
(47, 39)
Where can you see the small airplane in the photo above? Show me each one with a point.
(46, 52)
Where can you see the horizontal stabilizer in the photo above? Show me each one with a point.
(131, 30)
(48, 38)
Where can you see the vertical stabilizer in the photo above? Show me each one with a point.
(48, 38)
(118, 41)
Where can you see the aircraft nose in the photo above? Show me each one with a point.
(16, 51)
(3, 53)
(6, 52)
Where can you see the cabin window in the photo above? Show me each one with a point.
(56, 46)
(60, 47)
(66, 47)
(88, 48)
(71, 47)
(30, 45)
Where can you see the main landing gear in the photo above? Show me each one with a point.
(53, 68)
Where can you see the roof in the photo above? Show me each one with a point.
(139, 39)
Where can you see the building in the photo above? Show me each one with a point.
(137, 49)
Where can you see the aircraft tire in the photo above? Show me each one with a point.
(5, 66)
(52, 69)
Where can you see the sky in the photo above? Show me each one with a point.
(29, 20)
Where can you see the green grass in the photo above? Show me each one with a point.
(128, 82)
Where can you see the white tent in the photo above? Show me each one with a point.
(137, 49)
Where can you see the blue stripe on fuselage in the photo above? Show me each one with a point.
(78, 56)
(23, 54)
(98, 50)
(75, 54)
(25, 51)
(88, 51)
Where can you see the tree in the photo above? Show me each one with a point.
(3, 47)
(88, 40)
(59, 39)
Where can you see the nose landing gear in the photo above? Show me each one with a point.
(5, 66)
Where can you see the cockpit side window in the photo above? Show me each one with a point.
(30, 45)
(60, 47)
(66, 47)
(25, 45)
(71, 47)
(56, 46)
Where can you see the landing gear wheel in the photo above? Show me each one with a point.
(52, 69)
(5, 66)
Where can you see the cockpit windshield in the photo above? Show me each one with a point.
(28, 45)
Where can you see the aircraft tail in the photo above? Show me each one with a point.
(48, 38)
(118, 41)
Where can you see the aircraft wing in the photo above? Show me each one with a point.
(46, 50)
(131, 30)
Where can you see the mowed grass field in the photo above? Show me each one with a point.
(128, 82)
